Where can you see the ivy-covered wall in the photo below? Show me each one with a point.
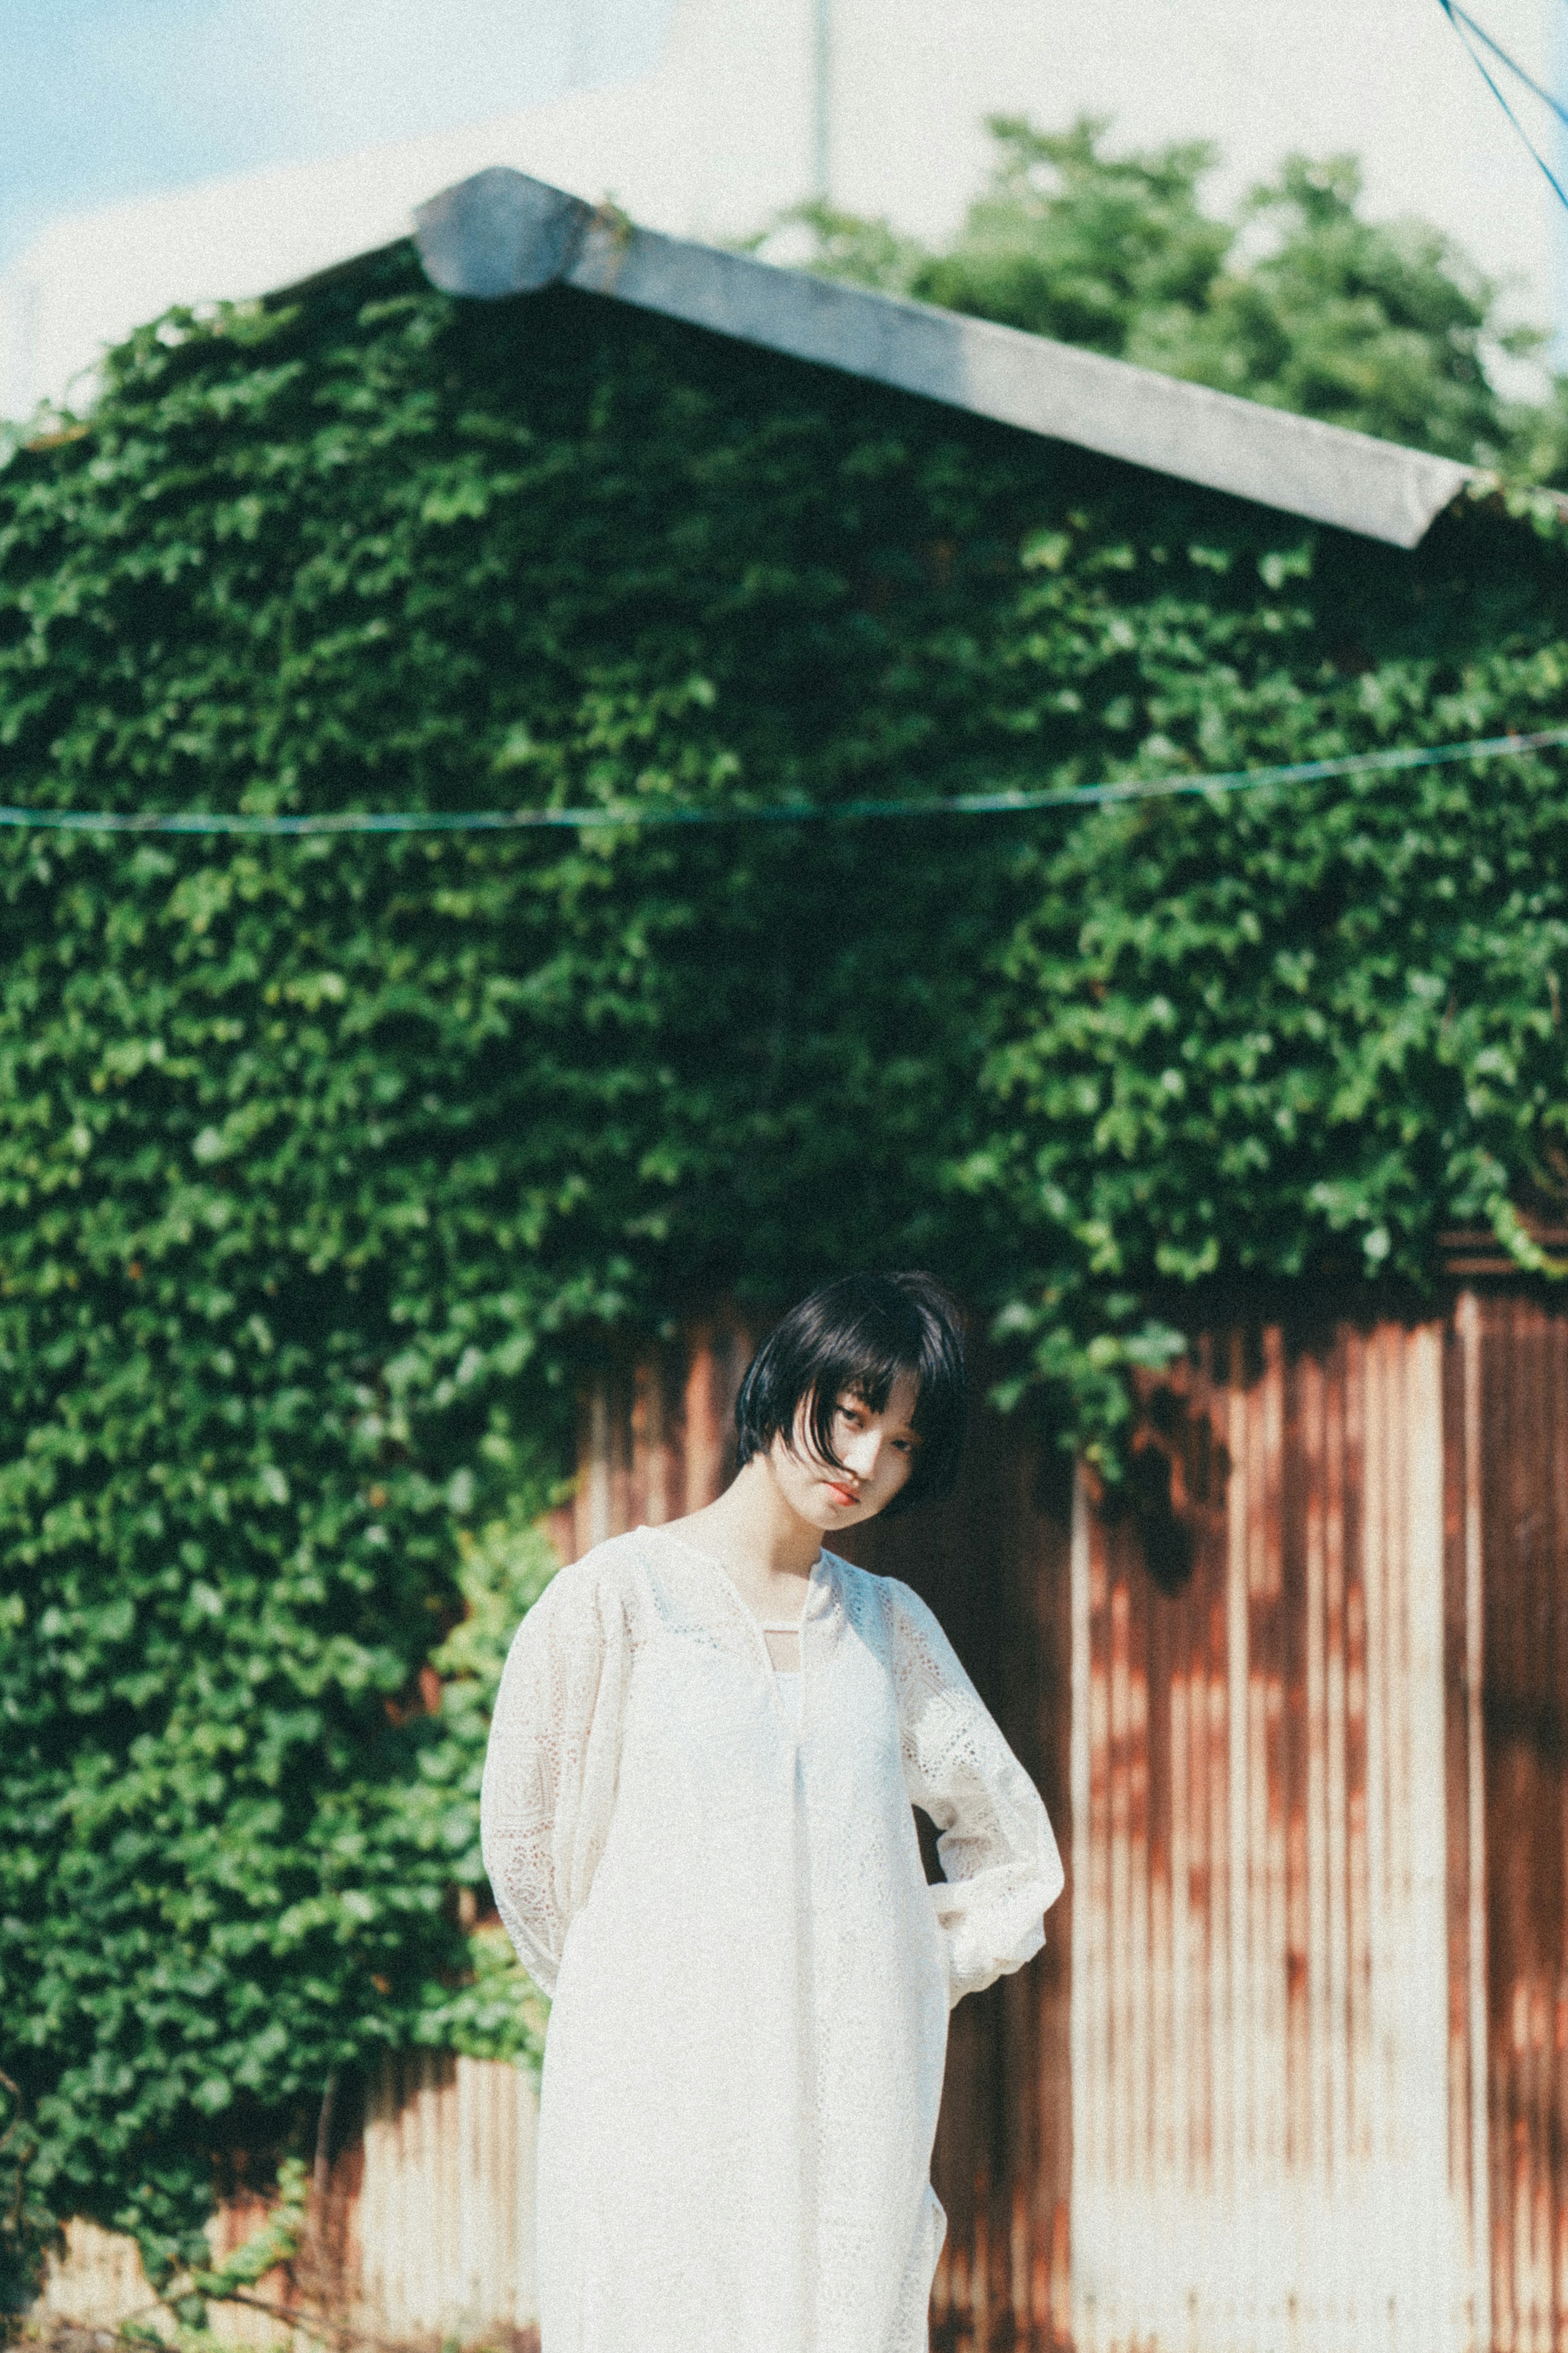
(322, 1162)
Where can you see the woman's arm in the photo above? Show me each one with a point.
(550, 1769)
(996, 1843)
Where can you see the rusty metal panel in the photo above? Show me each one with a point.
(1464, 1776)
(1516, 1513)
(1260, 1965)
(654, 1435)
(96, 2282)
(443, 2224)
(426, 2234)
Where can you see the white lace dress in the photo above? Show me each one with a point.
(750, 1977)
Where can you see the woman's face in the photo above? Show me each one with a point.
(876, 1451)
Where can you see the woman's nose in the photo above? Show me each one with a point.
(860, 1454)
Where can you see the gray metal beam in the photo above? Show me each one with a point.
(501, 233)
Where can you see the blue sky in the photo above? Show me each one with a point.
(102, 100)
(108, 99)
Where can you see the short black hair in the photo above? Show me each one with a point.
(860, 1333)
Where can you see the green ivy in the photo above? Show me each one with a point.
(323, 1162)
(29, 2232)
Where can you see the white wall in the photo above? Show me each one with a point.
(719, 137)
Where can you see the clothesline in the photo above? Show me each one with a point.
(1002, 801)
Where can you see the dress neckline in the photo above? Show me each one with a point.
(763, 1625)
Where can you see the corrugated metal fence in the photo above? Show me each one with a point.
(446, 2210)
(429, 2232)
(1262, 2077)
(1292, 2070)
(1516, 1506)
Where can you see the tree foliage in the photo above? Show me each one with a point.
(322, 1161)
(1297, 300)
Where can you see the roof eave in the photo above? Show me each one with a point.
(501, 233)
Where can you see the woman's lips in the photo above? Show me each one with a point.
(841, 1495)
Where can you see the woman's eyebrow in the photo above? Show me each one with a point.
(849, 1397)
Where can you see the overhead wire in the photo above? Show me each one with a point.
(1464, 23)
(1002, 801)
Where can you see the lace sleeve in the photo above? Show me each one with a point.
(995, 1839)
(550, 1769)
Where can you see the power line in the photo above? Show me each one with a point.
(1004, 801)
(822, 101)
(1459, 17)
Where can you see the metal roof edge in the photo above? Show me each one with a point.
(501, 233)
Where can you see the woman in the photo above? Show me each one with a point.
(697, 1822)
